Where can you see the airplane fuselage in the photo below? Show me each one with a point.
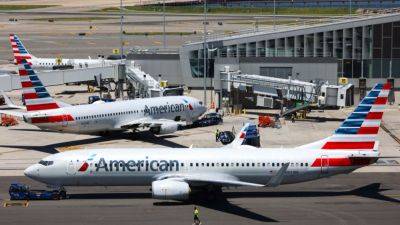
(49, 63)
(113, 116)
(130, 167)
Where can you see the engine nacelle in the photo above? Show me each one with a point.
(166, 128)
(170, 190)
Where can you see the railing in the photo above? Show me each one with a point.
(154, 50)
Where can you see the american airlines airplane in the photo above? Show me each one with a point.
(174, 174)
(161, 115)
(20, 52)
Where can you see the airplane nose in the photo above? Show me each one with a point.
(31, 171)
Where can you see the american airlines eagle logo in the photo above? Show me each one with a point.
(85, 164)
(189, 105)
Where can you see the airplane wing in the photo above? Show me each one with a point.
(226, 180)
(147, 122)
(13, 113)
(10, 104)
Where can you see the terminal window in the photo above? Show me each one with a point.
(279, 72)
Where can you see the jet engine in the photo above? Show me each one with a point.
(165, 128)
(170, 190)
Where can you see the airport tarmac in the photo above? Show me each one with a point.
(60, 38)
(356, 199)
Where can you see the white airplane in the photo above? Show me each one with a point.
(20, 52)
(161, 115)
(174, 174)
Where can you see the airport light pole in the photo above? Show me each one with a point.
(274, 15)
(164, 37)
(205, 53)
(349, 8)
(121, 32)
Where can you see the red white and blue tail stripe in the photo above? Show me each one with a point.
(34, 94)
(19, 50)
(359, 130)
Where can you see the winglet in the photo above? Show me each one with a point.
(277, 179)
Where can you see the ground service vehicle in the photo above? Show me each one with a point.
(226, 137)
(208, 120)
(19, 191)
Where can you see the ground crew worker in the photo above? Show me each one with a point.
(196, 215)
(216, 135)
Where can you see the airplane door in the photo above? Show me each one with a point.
(188, 116)
(71, 168)
(324, 164)
(64, 120)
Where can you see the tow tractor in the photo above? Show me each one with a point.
(20, 191)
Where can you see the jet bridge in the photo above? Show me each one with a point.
(268, 90)
(143, 85)
(289, 89)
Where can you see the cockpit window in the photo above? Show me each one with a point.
(46, 163)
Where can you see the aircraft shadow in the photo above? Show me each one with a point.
(145, 136)
(321, 119)
(369, 191)
(33, 130)
(222, 204)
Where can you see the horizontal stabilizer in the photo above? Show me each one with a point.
(18, 114)
(10, 104)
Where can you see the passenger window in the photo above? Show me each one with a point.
(202, 164)
(237, 164)
(263, 164)
(212, 164)
(273, 164)
(301, 164)
(197, 164)
(182, 164)
(253, 164)
(277, 164)
(191, 164)
(248, 164)
(306, 164)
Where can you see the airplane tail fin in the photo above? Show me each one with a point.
(359, 131)
(19, 50)
(34, 94)
(248, 130)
